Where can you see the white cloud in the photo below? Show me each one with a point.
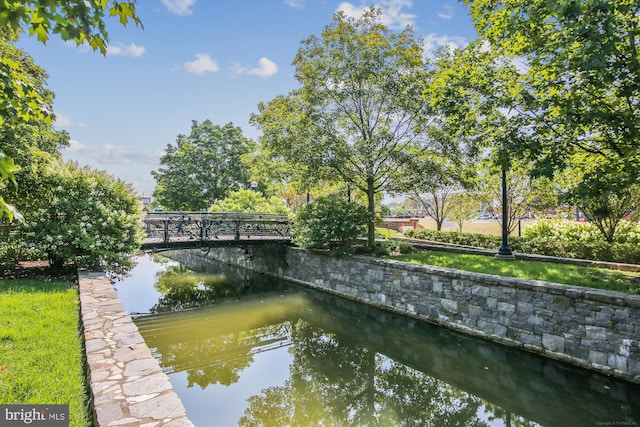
(109, 154)
(179, 7)
(392, 13)
(296, 4)
(266, 68)
(131, 165)
(64, 121)
(237, 69)
(120, 49)
(202, 64)
(446, 12)
(432, 42)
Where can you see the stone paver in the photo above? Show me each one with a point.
(128, 387)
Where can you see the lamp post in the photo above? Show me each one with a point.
(505, 250)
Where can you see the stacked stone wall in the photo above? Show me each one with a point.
(596, 329)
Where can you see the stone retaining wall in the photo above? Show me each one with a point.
(596, 329)
(127, 385)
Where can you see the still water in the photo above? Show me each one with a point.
(244, 349)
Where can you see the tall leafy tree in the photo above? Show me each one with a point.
(27, 139)
(203, 167)
(358, 107)
(583, 67)
(581, 64)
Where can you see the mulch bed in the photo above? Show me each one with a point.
(38, 270)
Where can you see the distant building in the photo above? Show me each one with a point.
(146, 201)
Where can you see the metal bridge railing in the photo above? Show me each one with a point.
(192, 227)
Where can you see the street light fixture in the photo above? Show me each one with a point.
(505, 250)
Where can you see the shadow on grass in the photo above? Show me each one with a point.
(36, 277)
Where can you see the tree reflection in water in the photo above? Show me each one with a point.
(331, 381)
(337, 384)
(182, 288)
(354, 365)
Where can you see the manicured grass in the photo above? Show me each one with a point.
(41, 347)
(387, 232)
(550, 272)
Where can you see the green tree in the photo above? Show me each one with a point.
(251, 202)
(582, 64)
(432, 180)
(22, 125)
(22, 97)
(600, 193)
(80, 21)
(27, 142)
(358, 107)
(77, 214)
(203, 167)
(464, 206)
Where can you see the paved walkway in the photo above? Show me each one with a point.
(128, 387)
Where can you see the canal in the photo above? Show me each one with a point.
(245, 349)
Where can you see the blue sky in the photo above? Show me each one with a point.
(197, 60)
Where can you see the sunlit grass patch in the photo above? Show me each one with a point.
(41, 347)
(524, 269)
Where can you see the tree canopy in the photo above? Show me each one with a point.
(250, 201)
(582, 64)
(80, 21)
(203, 167)
(23, 96)
(358, 107)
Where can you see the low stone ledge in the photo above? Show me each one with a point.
(127, 385)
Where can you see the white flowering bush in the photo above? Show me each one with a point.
(83, 215)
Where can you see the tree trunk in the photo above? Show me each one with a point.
(371, 235)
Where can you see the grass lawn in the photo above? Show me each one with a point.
(550, 272)
(41, 347)
(388, 232)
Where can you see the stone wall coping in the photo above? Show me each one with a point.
(127, 384)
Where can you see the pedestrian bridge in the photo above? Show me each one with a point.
(170, 230)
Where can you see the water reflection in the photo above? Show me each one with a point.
(289, 356)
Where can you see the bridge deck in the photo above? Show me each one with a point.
(174, 229)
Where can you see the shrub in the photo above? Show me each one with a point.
(567, 239)
(83, 215)
(330, 223)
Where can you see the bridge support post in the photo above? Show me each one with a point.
(166, 231)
